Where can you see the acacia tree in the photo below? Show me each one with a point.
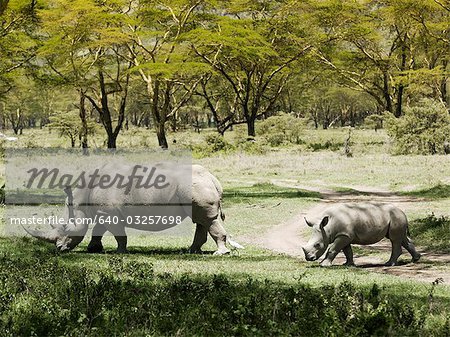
(84, 49)
(17, 47)
(252, 48)
(220, 101)
(161, 58)
(376, 46)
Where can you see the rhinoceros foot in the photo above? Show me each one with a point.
(326, 263)
(223, 251)
(416, 258)
(96, 247)
(391, 264)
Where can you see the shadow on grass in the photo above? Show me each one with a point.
(169, 254)
(440, 191)
(432, 232)
(266, 191)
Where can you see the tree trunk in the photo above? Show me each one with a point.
(401, 87)
(444, 81)
(251, 127)
(111, 142)
(386, 92)
(3, 5)
(161, 134)
(82, 114)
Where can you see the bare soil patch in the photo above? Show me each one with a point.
(288, 237)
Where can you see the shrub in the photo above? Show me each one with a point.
(280, 129)
(40, 296)
(217, 142)
(422, 130)
(276, 139)
(374, 122)
(328, 145)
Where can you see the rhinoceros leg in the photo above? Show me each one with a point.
(348, 255)
(121, 244)
(120, 235)
(338, 244)
(201, 234)
(409, 246)
(219, 235)
(396, 252)
(95, 245)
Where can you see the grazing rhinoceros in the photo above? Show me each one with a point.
(199, 198)
(358, 223)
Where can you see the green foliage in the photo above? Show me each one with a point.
(432, 232)
(374, 121)
(281, 129)
(217, 142)
(328, 145)
(213, 143)
(69, 125)
(252, 147)
(423, 129)
(42, 296)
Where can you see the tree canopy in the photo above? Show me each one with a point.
(232, 62)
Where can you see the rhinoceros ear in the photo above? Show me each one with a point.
(308, 223)
(324, 222)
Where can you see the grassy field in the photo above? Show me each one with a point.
(158, 289)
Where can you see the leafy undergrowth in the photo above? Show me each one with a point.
(42, 296)
(432, 232)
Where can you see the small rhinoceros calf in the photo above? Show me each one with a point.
(362, 224)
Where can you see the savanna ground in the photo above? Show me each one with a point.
(268, 288)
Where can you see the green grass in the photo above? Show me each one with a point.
(263, 191)
(162, 292)
(432, 232)
(439, 191)
(158, 289)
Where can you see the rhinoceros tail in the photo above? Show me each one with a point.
(219, 189)
(222, 214)
(234, 245)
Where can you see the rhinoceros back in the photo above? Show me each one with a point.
(367, 223)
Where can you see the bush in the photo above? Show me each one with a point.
(328, 145)
(422, 130)
(280, 129)
(217, 142)
(276, 139)
(40, 296)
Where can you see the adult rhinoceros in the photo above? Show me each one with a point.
(358, 223)
(198, 198)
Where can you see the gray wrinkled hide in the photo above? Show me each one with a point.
(358, 223)
(204, 192)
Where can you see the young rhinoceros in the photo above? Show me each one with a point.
(362, 224)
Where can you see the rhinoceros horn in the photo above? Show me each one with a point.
(46, 236)
(68, 191)
(51, 236)
(308, 223)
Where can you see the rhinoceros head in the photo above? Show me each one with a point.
(68, 235)
(318, 243)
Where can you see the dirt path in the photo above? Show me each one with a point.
(287, 238)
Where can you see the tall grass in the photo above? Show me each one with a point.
(40, 296)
